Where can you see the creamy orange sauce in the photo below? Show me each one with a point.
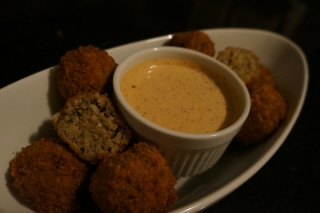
(180, 95)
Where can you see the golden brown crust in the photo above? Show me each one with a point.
(195, 40)
(268, 108)
(85, 69)
(91, 126)
(48, 175)
(137, 180)
(266, 76)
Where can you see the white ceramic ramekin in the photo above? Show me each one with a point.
(187, 154)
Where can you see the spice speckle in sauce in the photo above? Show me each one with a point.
(180, 95)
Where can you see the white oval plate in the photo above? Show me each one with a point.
(26, 108)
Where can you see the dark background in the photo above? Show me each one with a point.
(34, 34)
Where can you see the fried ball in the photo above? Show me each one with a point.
(49, 176)
(268, 109)
(85, 69)
(137, 180)
(245, 63)
(91, 126)
(195, 40)
(266, 76)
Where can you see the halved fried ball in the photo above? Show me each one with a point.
(49, 176)
(137, 180)
(85, 69)
(91, 125)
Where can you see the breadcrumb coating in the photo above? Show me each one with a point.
(137, 180)
(49, 176)
(266, 77)
(195, 40)
(268, 108)
(85, 69)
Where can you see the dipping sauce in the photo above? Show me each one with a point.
(180, 95)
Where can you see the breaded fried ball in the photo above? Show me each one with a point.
(137, 180)
(266, 76)
(91, 125)
(49, 176)
(195, 40)
(85, 69)
(268, 109)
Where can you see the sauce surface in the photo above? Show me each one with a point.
(180, 95)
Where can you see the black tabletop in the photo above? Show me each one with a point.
(35, 34)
